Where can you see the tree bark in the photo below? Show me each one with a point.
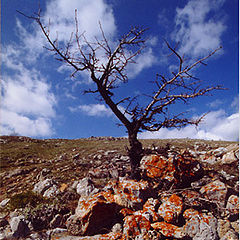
(135, 152)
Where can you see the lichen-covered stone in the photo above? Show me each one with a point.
(131, 193)
(200, 225)
(94, 214)
(168, 230)
(215, 191)
(158, 167)
(232, 205)
(135, 225)
(171, 208)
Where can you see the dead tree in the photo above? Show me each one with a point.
(108, 71)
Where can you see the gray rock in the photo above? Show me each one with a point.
(42, 186)
(19, 226)
(215, 191)
(4, 202)
(117, 228)
(202, 226)
(56, 221)
(230, 235)
(51, 192)
(85, 187)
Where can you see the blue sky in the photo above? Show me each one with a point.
(40, 99)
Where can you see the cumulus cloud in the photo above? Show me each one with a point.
(142, 61)
(94, 110)
(217, 125)
(61, 15)
(27, 103)
(197, 28)
(216, 103)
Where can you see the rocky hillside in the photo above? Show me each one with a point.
(80, 189)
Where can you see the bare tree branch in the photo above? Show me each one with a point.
(106, 63)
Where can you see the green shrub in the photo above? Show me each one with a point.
(24, 199)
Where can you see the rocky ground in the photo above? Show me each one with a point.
(80, 189)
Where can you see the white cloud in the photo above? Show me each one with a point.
(27, 103)
(94, 110)
(215, 103)
(197, 28)
(235, 103)
(16, 123)
(26, 95)
(217, 125)
(61, 14)
(145, 60)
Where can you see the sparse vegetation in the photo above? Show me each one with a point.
(25, 199)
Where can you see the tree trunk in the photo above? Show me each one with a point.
(135, 152)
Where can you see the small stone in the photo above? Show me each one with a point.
(4, 202)
(42, 186)
(168, 230)
(51, 192)
(117, 228)
(223, 227)
(229, 158)
(233, 205)
(230, 235)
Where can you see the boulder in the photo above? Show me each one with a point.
(85, 187)
(42, 186)
(131, 193)
(135, 225)
(170, 209)
(95, 214)
(200, 225)
(19, 226)
(179, 169)
(215, 191)
(158, 167)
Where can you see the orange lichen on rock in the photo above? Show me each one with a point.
(135, 225)
(189, 213)
(126, 211)
(168, 230)
(159, 167)
(215, 191)
(150, 207)
(130, 193)
(93, 214)
(170, 209)
(233, 205)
